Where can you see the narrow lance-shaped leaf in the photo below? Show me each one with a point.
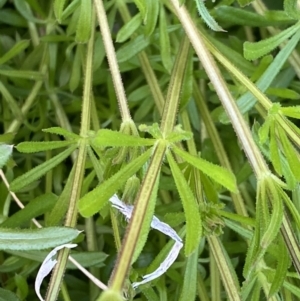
(106, 137)
(32, 75)
(61, 132)
(217, 173)
(253, 51)
(76, 70)
(40, 205)
(283, 263)
(34, 147)
(190, 206)
(93, 201)
(35, 239)
(40, 170)
(274, 150)
(290, 153)
(206, 16)
(61, 206)
(164, 40)
(146, 224)
(84, 25)
(12, 103)
(15, 50)
(150, 20)
(58, 8)
(190, 278)
(129, 28)
(293, 111)
(5, 153)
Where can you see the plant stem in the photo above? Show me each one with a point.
(208, 63)
(112, 60)
(71, 217)
(135, 224)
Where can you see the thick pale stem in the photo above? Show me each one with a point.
(208, 63)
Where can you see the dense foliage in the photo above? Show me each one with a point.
(187, 109)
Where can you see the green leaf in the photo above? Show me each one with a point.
(164, 41)
(105, 137)
(34, 147)
(292, 9)
(190, 206)
(14, 51)
(40, 205)
(95, 200)
(32, 75)
(189, 287)
(35, 239)
(61, 132)
(206, 16)
(24, 10)
(283, 93)
(293, 111)
(40, 170)
(253, 51)
(283, 263)
(22, 286)
(7, 137)
(217, 173)
(129, 28)
(84, 24)
(290, 153)
(142, 7)
(62, 204)
(263, 132)
(11, 17)
(150, 20)
(238, 16)
(5, 153)
(132, 48)
(247, 101)
(146, 223)
(6, 295)
(58, 8)
(274, 150)
(11, 102)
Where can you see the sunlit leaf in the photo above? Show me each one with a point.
(217, 173)
(253, 51)
(106, 137)
(206, 16)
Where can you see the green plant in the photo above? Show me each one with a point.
(208, 147)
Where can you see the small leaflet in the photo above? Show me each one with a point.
(47, 266)
(127, 210)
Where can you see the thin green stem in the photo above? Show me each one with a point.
(112, 60)
(172, 100)
(71, 217)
